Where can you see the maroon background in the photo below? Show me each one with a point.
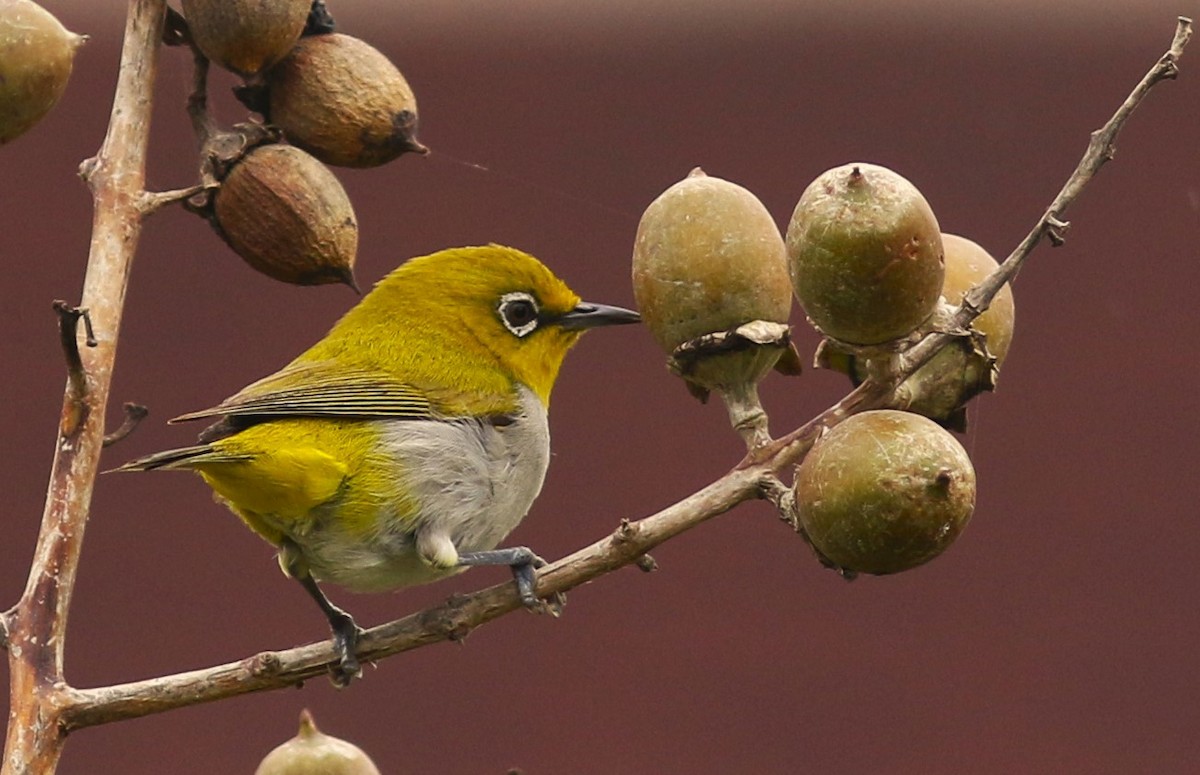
(1058, 635)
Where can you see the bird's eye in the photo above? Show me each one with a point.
(519, 313)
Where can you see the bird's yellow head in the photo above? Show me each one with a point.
(480, 317)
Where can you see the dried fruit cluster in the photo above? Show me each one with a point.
(335, 99)
(883, 491)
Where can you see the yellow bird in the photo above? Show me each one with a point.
(411, 440)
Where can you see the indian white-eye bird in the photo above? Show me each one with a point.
(411, 440)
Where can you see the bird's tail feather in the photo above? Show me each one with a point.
(171, 458)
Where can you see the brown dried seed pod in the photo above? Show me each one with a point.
(311, 752)
(885, 491)
(288, 216)
(344, 102)
(246, 36)
(36, 54)
(865, 254)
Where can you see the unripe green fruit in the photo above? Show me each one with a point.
(36, 54)
(709, 258)
(865, 254)
(312, 752)
(246, 36)
(885, 491)
(967, 265)
(288, 216)
(960, 370)
(344, 102)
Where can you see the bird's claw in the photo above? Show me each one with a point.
(523, 563)
(345, 644)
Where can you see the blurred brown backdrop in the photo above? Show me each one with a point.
(1058, 635)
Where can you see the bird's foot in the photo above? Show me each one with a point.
(345, 644)
(524, 564)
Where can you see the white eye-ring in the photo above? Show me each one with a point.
(518, 312)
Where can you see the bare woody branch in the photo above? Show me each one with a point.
(452, 620)
(37, 624)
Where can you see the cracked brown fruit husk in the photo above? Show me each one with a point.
(884, 491)
(865, 254)
(287, 216)
(36, 55)
(963, 368)
(344, 102)
(708, 259)
(246, 36)
(311, 752)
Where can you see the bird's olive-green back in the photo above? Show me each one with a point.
(428, 341)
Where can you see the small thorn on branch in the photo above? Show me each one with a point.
(134, 414)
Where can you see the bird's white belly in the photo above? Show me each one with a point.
(473, 482)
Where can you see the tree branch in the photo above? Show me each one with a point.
(452, 620)
(37, 624)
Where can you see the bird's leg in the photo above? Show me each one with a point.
(523, 563)
(345, 633)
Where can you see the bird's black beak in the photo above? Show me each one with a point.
(587, 315)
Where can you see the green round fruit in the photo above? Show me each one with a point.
(246, 36)
(959, 371)
(709, 258)
(312, 752)
(36, 56)
(344, 102)
(885, 491)
(967, 265)
(865, 254)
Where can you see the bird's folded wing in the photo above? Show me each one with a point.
(323, 389)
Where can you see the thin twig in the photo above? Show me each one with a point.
(151, 201)
(1102, 146)
(134, 414)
